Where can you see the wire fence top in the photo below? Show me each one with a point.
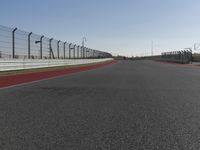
(16, 43)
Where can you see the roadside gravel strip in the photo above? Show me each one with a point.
(15, 79)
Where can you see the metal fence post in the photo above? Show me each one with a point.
(13, 43)
(70, 50)
(78, 51)
(64, 49)
(41, 46)
(81, 51)
(40, 41)
(93, 52)
(50, 49)
(58, 49)
(29, 45)
(85, 53)
(74, 50)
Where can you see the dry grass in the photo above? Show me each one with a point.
(196, 57)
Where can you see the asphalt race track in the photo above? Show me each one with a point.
(130, 105)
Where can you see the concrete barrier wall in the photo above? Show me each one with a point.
(21, 64)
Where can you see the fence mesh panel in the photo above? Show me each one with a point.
(19, 44)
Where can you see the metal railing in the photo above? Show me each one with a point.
(16, 44)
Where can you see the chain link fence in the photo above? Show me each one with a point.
(18, 44)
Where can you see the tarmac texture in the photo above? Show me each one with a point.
(130, 105)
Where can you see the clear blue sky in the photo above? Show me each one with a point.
(120, 26)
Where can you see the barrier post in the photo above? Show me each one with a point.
(29, 45)
(13, 43)
(74, 50)
(70, 50)
(64, 49)
(50, 49)
(58, 49)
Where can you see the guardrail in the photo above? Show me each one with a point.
(21, 64)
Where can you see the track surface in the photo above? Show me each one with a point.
(126, 106)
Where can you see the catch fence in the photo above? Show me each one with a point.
(184, 56)
(18, 44)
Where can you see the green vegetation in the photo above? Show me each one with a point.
(196, 57)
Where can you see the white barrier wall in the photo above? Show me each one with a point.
(21, 64)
